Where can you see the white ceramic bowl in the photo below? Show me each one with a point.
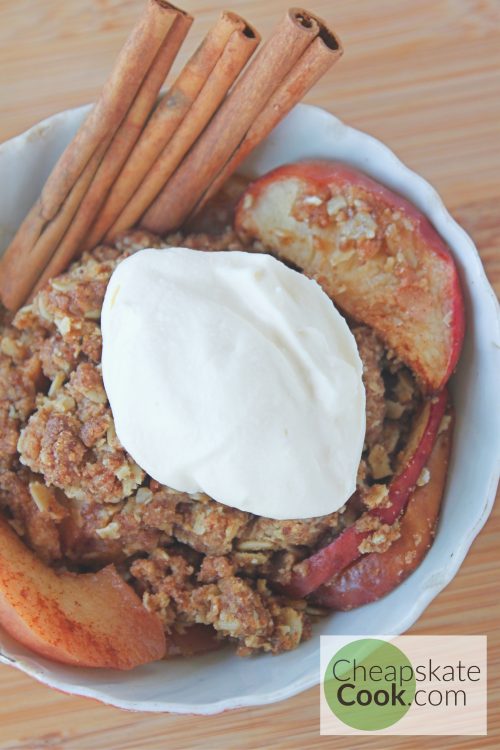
(220, 681)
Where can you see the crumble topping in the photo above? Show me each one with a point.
(78, 499)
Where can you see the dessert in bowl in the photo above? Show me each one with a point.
(172, 685)
(182, 552)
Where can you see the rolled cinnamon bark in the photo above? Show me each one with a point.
(25, 259)
(238, 50)
(166, 119)
(232, 121)
(118, 151)
(324, 52)
(55, 230)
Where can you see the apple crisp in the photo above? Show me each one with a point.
(76, 497)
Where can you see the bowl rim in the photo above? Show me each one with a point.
(425, 596)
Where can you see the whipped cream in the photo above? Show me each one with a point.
(230, 374)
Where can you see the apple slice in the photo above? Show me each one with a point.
(372, 252)
(378, 573)
(88, 619)
(315, 570)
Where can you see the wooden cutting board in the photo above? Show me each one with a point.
(422, 76)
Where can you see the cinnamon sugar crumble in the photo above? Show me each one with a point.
(79, 500)
(376, 496)
(424, 477)
(381, 538)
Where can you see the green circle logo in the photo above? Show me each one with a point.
(369, 684)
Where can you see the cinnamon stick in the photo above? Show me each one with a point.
(119, 149)
(234, 57)
(152, 155)
(232, 121)
(55, 230)
(319, 57)
(26, 257)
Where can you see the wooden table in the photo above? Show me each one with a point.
(422, 76)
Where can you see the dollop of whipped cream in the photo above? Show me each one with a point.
(228, 373)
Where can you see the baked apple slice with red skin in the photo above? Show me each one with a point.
(315, 570)
(376, 574)
(87, 619)
(372, 252)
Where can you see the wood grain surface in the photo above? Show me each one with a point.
(425, 78)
